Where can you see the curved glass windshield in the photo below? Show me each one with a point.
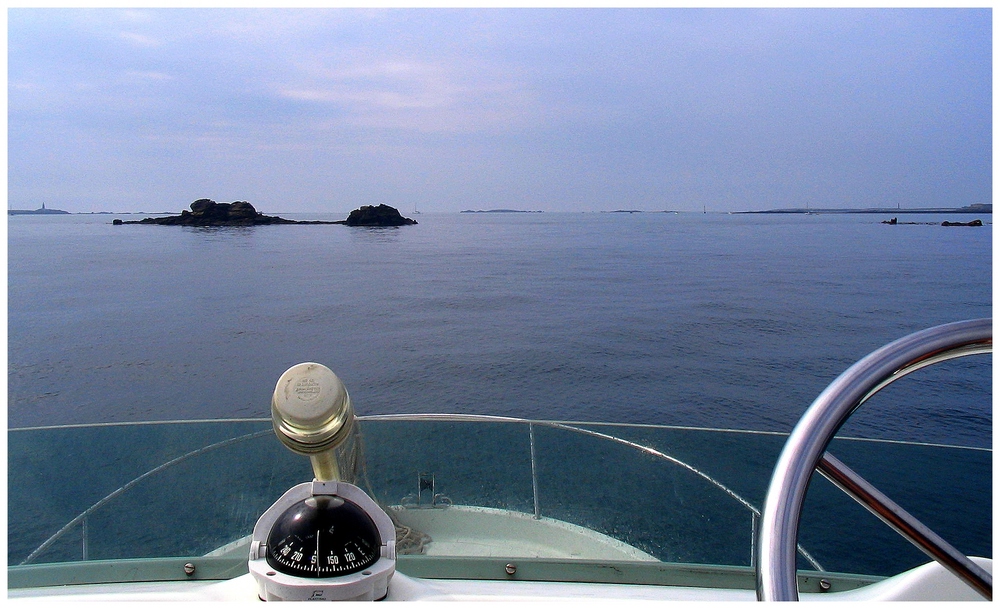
(480, 488)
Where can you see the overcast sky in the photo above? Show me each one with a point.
(444, 110)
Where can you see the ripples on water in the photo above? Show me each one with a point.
(712, 320)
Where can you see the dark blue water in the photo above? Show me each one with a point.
(698, 319)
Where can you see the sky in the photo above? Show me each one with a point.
(440, 110)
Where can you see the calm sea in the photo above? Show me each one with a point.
(733, 321)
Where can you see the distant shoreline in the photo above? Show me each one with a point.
(499, 211)
(35, 212)
(970, 209)
(45, 212)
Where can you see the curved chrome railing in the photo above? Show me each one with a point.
(804, 452)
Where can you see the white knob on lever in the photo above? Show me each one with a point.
(312, 415)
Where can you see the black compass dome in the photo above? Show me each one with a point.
(323, 536)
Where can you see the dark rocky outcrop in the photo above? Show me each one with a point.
(381, 215)
(895, 221)
(206, 212)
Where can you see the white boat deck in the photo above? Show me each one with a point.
(486, 532)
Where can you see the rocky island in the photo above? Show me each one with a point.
(377, 215)
(40, 211)
(206, 212)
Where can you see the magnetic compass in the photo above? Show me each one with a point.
(325, 539)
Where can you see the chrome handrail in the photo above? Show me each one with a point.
(485, 418)
(776, 578)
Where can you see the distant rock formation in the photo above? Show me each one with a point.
(381, 215)
(40, 211)
(973, 223)
(206, 212)
(894, 221)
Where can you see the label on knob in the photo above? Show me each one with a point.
(306, 389)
